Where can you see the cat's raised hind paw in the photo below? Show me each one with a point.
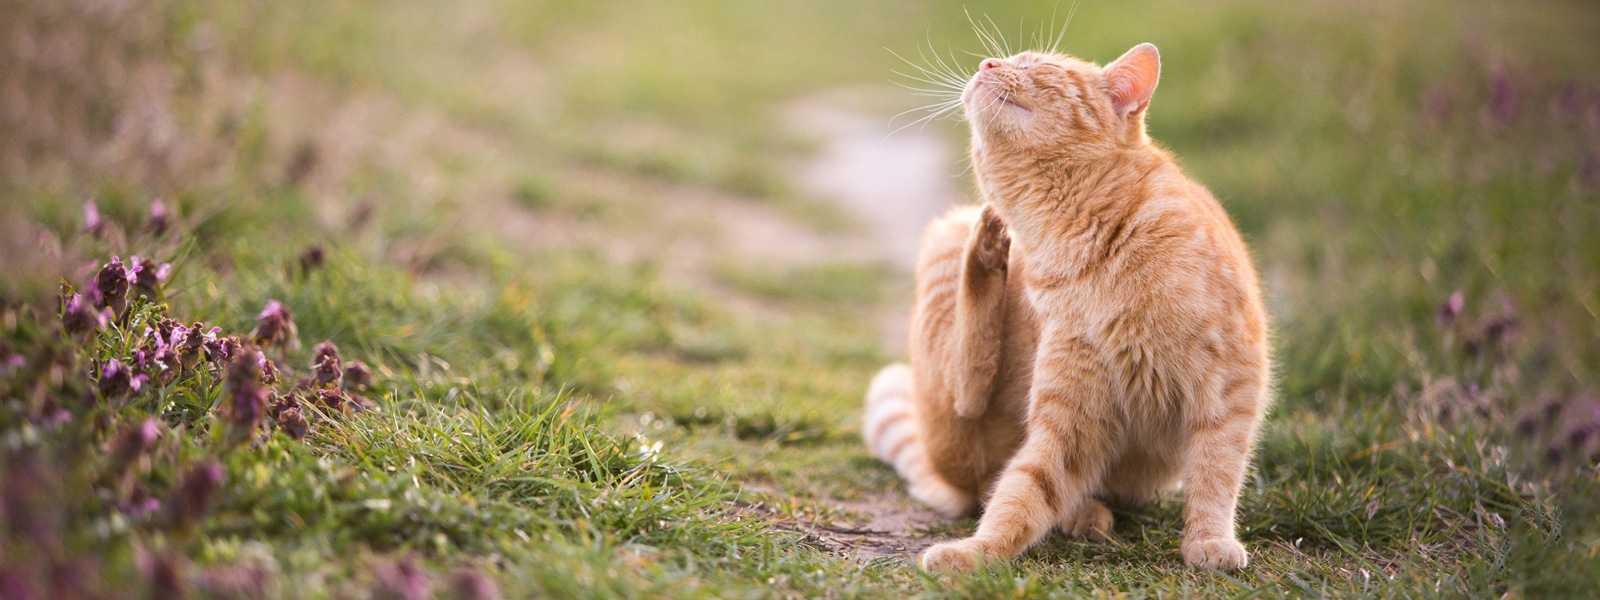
(1092, 520)
(993, 242)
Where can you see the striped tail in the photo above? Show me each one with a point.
(891, 433)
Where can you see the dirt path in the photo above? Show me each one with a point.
(894, 182)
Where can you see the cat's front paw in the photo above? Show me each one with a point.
(1225, 554)
(952, 557)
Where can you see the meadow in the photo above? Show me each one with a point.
(536, 299)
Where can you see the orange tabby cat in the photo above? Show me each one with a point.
(1096, 333)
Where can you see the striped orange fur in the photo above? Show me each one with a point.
(1095, 334)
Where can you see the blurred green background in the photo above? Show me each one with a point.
(612, 204)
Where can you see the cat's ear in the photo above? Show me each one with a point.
(1132, 79)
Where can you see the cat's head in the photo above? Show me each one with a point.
(1056, 103)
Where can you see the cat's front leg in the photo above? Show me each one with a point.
(1220, 437)
(1070, 428)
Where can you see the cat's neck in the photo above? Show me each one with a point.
(1040, 196)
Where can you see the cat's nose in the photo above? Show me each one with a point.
(989, 63)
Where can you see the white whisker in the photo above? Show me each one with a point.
(933, 76)
(988, 41)
(1055, 47)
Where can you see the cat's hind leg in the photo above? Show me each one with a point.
(921, 414)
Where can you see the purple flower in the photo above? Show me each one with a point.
(133, 442)
(1505, 98)
(12, 363)
(311, 259)
(292, 422)
(190, 342)
(1503, 327)
(471, 584)
(79, 317)
(1451, 308)
(281, 404)
(111, 286)
(357, 376)
(326, 366)
(1551, 409)
(1567, 103)
(1553, 454)
(1579, 435)
(333, 400)
(1528, 424)
(274, 326)
(247, 400)
(219, 349)
(159, 221)
(269, 371)
(93, 223)
(196, 489)
(160, 364)
(51, 414)
(401, 580)
(117, 380)
(139, 503)
(147, 277)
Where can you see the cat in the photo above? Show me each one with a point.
(1094, 333)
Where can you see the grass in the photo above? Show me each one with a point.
(571, 404)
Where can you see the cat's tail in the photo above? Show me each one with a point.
(892, 435)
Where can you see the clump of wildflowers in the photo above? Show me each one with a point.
(292, 422)
(192, 342)
(111, 286)
(326, 367)
(147, 277)
(117, 380)
(269, 370)
(196, 489)
(333, 401)
(247, 399)
(274, 326)
(79, 317)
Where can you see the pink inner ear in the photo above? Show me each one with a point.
(1132, 78)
